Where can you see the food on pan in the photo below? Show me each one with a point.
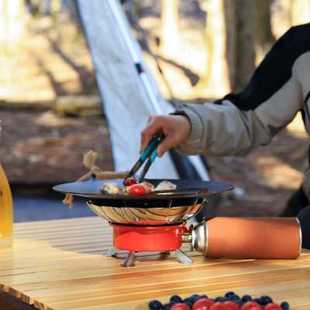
(140, 189)
(111, 189)
(136, 189)
(165, 186)
(149, 187)
(130, 181)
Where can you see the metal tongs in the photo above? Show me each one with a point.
(149, 154)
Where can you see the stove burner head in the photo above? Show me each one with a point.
(147, 242)
(147, 238)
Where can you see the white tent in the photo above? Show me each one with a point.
(128, 92)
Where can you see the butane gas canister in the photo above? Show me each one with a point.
(237, 237)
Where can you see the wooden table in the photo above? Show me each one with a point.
(59, 265)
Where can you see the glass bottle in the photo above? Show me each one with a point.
(6, 211)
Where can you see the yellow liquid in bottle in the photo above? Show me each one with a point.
(6, 211)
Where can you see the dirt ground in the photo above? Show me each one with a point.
(38, 146)
(41, 147)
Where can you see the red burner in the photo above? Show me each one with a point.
(148, 238)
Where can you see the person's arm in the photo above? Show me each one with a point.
(239, 122)
(223, 130)
(242, 121)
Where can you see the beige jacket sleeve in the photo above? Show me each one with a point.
(223, 130)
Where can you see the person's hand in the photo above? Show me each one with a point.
(176, 129)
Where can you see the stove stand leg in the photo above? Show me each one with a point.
(111, 252)
(163, 255)
(129, 260)
(183, 258)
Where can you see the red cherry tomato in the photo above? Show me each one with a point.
(272, 306)
(230, 305)
(251, 305)
(218, 306)
(130, 181)
(136, 190)
(180, 306)
(203, 304)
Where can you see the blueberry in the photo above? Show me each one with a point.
(265, 300)
(194, 297)
(246, 298)
(234, 297)
(155, 305)
(229, 294)
(166, 306)
(220, 299)
(258, 300)
(188, 301)
(285, 305)
(204, 296)
(175, 299)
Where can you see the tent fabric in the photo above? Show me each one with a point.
(126, 101)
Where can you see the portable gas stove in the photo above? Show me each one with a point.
(134, 239)
(150, 223)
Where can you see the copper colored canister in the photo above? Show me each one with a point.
(236, 237)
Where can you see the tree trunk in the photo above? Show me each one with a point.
(240, 27)
(216, 81)
(282, 17)
(169, 26)
(231, 40)
(264, 35)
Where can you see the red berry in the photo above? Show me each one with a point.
(251, 305)
(272, 306)
(203, 304)
(130, 181)
(180, 306)
(218, 306)
(136, 190)
(230, 305)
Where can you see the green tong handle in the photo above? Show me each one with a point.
(149, 152)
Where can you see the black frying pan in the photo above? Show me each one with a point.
(185, 189)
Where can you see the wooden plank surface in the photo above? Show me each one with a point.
(59, 265)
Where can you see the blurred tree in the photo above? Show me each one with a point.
(12, 22)
(300, 11)
(216, 79)
(264, 34)
(169, 26)
(240, 17)
(287, 13)
(230, 40)
(45, 7)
